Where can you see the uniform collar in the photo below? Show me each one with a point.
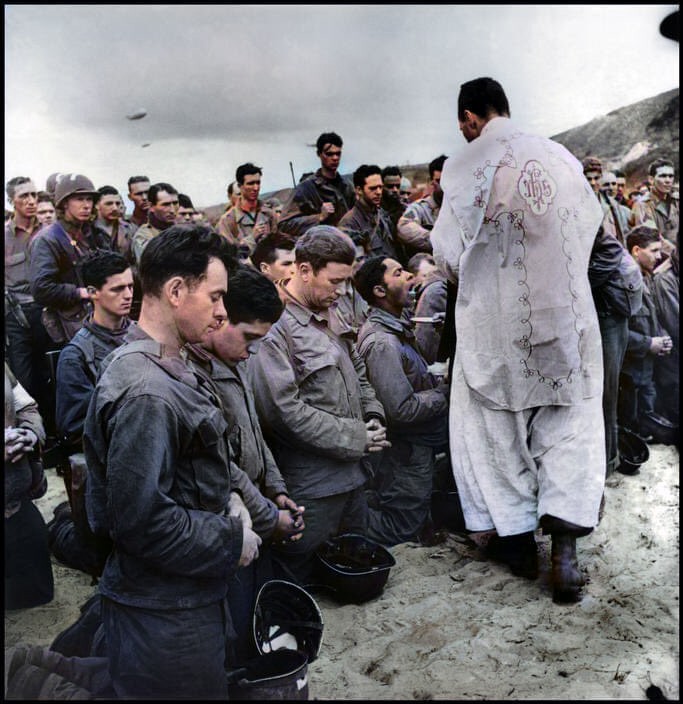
(401, 326)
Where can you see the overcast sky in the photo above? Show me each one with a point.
(227, 84)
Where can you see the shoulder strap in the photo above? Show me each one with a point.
(86, 346)
(70, 250)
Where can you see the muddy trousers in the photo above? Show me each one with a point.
(168, 654)
(28, 569)
(614, 335)
(403, 493)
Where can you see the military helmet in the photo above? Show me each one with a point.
(71, 184)
(51, 183)
(353, 567)
(286, 616)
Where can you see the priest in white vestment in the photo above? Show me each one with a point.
(515, 232)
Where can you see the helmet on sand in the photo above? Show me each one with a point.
(287, 616)
(281, 675)
(633, 451)
(71, 184)
(353, 567)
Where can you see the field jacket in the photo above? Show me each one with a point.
(415, 402)
(159, 481)
(77, 369)
(642, 327)
(372, 228)
(248, 447)
(416, 223)
(120, 234)
(432, 300)
(24, 478)
(55, 265)
(17, 273)
(666, 287)
(663, 212)
(141, 238)
(313, 399)
(305, 203)
(237, 225)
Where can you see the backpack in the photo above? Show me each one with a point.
(93, 549)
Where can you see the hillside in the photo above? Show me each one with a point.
(628, 138)
(631, 137)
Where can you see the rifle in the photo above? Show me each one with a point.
(14, 305)
(617, 226)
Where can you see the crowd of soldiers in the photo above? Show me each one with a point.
(225, 397)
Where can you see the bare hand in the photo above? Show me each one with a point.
(289, 527)
(326, 210)
(237, 509)
(259, 231)
(439, 319)
(250, 546)
(661, 345)
(18, 442)
(284, 502)
(376, 436)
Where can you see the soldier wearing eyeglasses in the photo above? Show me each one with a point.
(324, 197)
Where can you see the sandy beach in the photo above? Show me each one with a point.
(452, 625)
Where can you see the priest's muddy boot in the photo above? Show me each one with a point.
(518, 552)
(566, 577)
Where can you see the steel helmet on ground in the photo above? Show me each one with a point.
(287, 616)
(281, 676)
(71, 184)
(354, 567)
(633, 451)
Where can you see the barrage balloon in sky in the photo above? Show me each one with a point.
(137, 114)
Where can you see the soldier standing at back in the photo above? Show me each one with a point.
(323, 198)
(25, 338)
(56, 255)
(660, 208)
